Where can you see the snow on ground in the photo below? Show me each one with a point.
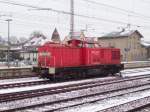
(20, 80)
(136, 69)
(135, 72)
(109, 102)
(36, 41)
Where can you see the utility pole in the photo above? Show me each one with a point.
(8, 48)
(71, 18)
(129, 43)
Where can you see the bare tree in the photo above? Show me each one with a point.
(37, 34)
(22, 39)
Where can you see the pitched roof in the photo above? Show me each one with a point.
(55, 36)
(123, 33)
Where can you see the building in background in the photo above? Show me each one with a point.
(146, 45)
(130, 43)
(29, 48)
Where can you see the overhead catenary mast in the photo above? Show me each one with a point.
(71, 18)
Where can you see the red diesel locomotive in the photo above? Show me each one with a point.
(77, 59)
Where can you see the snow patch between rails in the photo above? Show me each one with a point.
(44, 86)
(20, 80)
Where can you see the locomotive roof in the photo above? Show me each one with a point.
(53, 44)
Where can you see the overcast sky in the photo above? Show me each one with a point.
(105, 18)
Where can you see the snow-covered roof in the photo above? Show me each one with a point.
(16, 48)
(145, 43)
(123, 33)
(36, 41)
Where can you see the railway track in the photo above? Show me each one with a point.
(132, 84)
(130, 106)
(142, 108)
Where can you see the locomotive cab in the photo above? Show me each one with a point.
(75, 43)
(81, 43)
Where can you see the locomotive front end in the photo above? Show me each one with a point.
(45, 66)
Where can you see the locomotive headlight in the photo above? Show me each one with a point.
(51, 70)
